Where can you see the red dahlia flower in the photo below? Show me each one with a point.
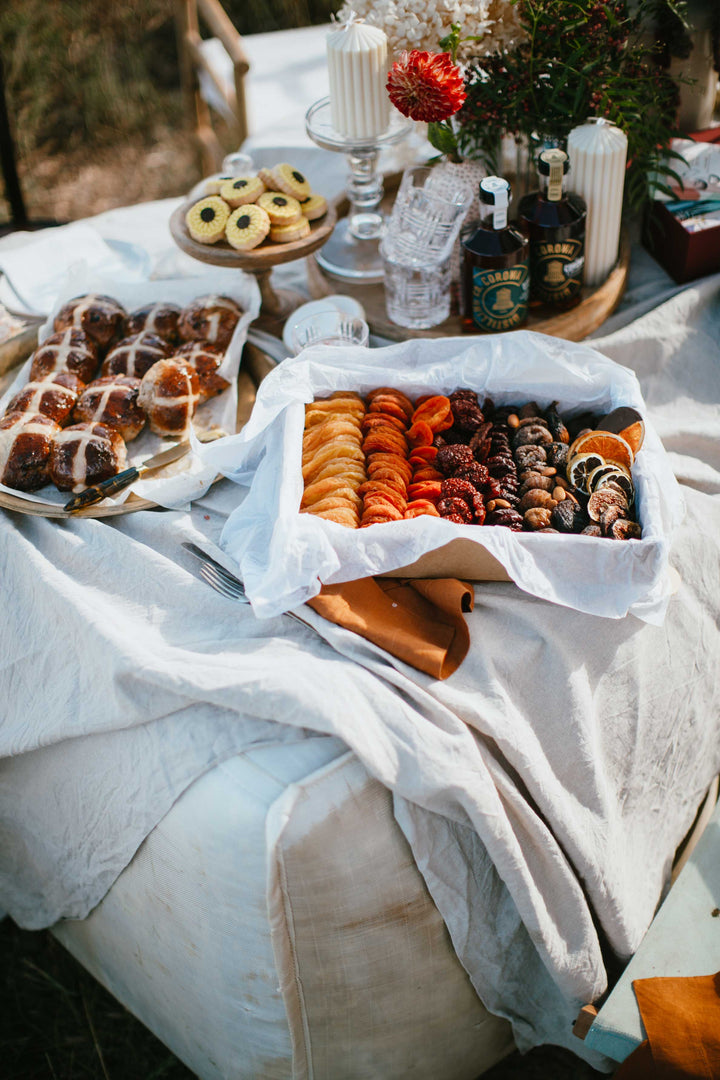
(426, 86)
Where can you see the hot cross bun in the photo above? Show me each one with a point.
(86, 454)
(159, 318)
(112, 400)
(66, 350)
(206, 359)
(52, 397)
(210, 318)
(169, 394)
(25, 447)
(134, 355)
(101, 317)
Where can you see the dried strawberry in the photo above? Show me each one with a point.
(456, 507)
(450, 458)
(475, 473)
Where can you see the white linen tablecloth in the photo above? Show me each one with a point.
(543, 787)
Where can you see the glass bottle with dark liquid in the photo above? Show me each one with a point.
(554, 223)
(494, 268)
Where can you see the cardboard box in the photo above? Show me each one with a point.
(461, 558)
(685, 255)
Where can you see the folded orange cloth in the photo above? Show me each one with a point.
(420, 621)
(682, 1021)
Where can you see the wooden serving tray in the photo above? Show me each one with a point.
(574, 325)
(276, 304)
(246, 390)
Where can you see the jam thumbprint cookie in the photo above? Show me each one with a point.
(268, 179)
(291, 181)
(206, 220)
(314, 207)
(281, 209)
(282, 234)
(241, 190)
(247, 227)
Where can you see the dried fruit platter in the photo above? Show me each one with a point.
(383, 457)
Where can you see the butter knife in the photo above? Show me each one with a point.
(116, 483)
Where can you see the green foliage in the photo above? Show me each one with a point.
(580, 58)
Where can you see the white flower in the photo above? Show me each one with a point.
(420, 24)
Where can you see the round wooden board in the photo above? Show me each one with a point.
(574, 325)
(246, 399)
(264, 257)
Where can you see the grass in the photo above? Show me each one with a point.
(58, 1023)
(93, 92)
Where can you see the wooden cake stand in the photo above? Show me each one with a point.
(276, 304)
(574, 325)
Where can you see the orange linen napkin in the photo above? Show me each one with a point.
(420, 621)
(682, 1021)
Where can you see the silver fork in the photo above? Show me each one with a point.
(225, 583)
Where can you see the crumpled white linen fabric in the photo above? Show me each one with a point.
(543, 787)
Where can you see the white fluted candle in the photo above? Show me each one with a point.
(358, 67)
(598, 152)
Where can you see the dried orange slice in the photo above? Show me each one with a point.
(580, 467)
(602, 470)
(620, 480)
(607, 444)
(628, 423)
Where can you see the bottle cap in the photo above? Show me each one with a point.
(551, 157)
(494, 191)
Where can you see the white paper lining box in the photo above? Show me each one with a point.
(284, 556)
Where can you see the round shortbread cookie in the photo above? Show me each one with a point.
(291, 181)
(281, 209)
(247, 227)
(268, 179)
(282, 234)
(214, 183)
(314, 207)
(207, 218)
(242, 189)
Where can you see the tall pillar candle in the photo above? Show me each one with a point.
(598, 152)
(358, 67)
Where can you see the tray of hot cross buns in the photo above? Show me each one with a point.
(122, 372)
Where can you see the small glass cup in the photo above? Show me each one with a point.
(417, 291)
(329, 328)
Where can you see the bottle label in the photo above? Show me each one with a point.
(500, 297)
(556, 268)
